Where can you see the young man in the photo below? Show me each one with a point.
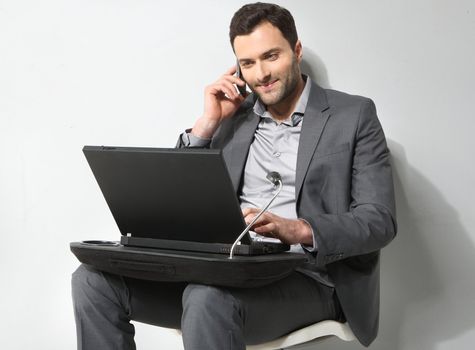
(337, 206)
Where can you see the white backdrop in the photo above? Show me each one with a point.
(132, 73)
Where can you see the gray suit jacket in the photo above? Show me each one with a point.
(344, 189)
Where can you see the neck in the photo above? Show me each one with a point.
(282, 110)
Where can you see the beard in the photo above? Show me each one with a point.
(287, 82)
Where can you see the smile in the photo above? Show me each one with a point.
(268, 86)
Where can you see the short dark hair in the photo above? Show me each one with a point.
(248, 17)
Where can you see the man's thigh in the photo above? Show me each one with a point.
(267, 312)
(156, 303)
(284, 306)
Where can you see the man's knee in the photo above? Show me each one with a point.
(211, 315)
(82, 281)
(90, 285)
(204, 299)
(85, 277)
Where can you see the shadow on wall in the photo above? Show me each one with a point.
(313, 66)
(426, 273)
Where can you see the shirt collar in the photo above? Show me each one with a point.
(261, 110)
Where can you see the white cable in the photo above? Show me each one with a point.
(248, 227)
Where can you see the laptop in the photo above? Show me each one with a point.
(173, 199)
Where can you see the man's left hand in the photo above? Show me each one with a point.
(289, 231)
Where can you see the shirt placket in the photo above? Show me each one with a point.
(277, 146)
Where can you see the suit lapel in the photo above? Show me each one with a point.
(244, 130)
(315, 118)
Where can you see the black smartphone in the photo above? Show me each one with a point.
(241, 89)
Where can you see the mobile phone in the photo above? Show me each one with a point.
(241, 89)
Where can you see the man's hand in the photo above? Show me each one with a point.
(221, 101)
(289, 231)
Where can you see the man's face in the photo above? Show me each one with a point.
(268, 64)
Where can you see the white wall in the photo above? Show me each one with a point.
(132, 73)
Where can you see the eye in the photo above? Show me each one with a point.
(246, 64)
(272, 57)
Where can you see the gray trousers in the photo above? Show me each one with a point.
(211, 318)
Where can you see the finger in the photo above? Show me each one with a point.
(223, 88)
(230, 85)
(232, 70)
(268, 229)
(249, 210)
(236, 84)
(251, 217)
(264, 219)
(234, 80)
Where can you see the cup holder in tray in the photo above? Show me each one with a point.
(101, 243)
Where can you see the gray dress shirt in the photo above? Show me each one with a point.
(274, 148)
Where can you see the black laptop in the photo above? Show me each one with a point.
(173, 199)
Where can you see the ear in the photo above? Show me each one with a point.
(298, 51)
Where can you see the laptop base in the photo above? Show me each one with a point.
(256, 248)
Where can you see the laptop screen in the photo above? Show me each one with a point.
(174, 194)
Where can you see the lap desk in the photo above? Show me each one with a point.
(183, 266)
(178, 216)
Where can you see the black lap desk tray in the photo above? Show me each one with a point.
(182, 266)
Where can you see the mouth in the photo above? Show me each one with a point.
(267, 86)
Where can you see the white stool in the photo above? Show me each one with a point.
(307, 334)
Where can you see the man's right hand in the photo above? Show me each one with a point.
(221, 102)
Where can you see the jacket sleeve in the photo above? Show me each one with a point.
(188, 140)
(368, 223)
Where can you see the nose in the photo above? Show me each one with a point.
(262, 72)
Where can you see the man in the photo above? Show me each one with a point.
(336, 207)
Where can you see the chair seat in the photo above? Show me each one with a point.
(303, 335)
